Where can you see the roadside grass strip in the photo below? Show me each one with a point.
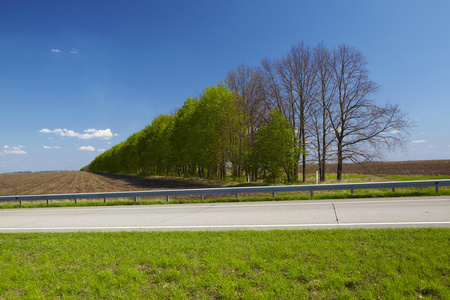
(279, 264)
(282, 196)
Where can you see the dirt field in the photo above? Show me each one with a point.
(89, 182)
(86, 182)
(420, 167)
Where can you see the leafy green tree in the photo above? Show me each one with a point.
(160, 148)
(218, 128)
(183, 138)
(276, 148)
(143, 150)
(247, 83)
(234, 134)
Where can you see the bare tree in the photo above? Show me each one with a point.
(301, 60)
(246, 82)
(289, 87)
(327, 97)
(272, 90)
(280, 94)
(321, 128)
(360, 126)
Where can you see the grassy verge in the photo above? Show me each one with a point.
(347, 178)
(407, 192)
(322, 264)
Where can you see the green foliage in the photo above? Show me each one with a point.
(183, 137)
(219, 125)
(279, 264)
(143, 152)
(276, 148)
(203, 137)
(161, 151)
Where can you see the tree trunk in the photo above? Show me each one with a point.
(303, 167)
(339, 162)
(324, 141)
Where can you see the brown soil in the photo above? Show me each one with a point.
(90, 182)
(420, 167)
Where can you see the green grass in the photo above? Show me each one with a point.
(411, 178)
(281, 196)
(296, 264)
(372, 193)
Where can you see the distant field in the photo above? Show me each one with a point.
(89, 182)
(419, 167)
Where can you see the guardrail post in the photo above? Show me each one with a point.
(201, 197)
(311, 188)
(351, 191)
(47, 202)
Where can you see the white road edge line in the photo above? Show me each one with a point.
(227, 226)
(223, 204)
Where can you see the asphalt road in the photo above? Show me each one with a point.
(319, 214)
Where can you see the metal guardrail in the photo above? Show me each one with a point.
(233, 190)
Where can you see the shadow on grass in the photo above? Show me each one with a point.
(159, 183)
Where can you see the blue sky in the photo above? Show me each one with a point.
(77, 77)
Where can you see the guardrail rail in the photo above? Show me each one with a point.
(233, 190)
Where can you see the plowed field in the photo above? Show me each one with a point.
(86, 182)
(419, 167)
(89, 182)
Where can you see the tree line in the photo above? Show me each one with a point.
(312, 105)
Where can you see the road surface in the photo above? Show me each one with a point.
(314, 214)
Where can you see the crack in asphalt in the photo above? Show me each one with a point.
(335, 213)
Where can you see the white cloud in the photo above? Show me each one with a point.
(14, 150)
(74, 51)
(101, 150)
(98, 134)
(60, 132)
(56, 51)
(91, 133)
(86, 148)
(52, 147)
(419, 141)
